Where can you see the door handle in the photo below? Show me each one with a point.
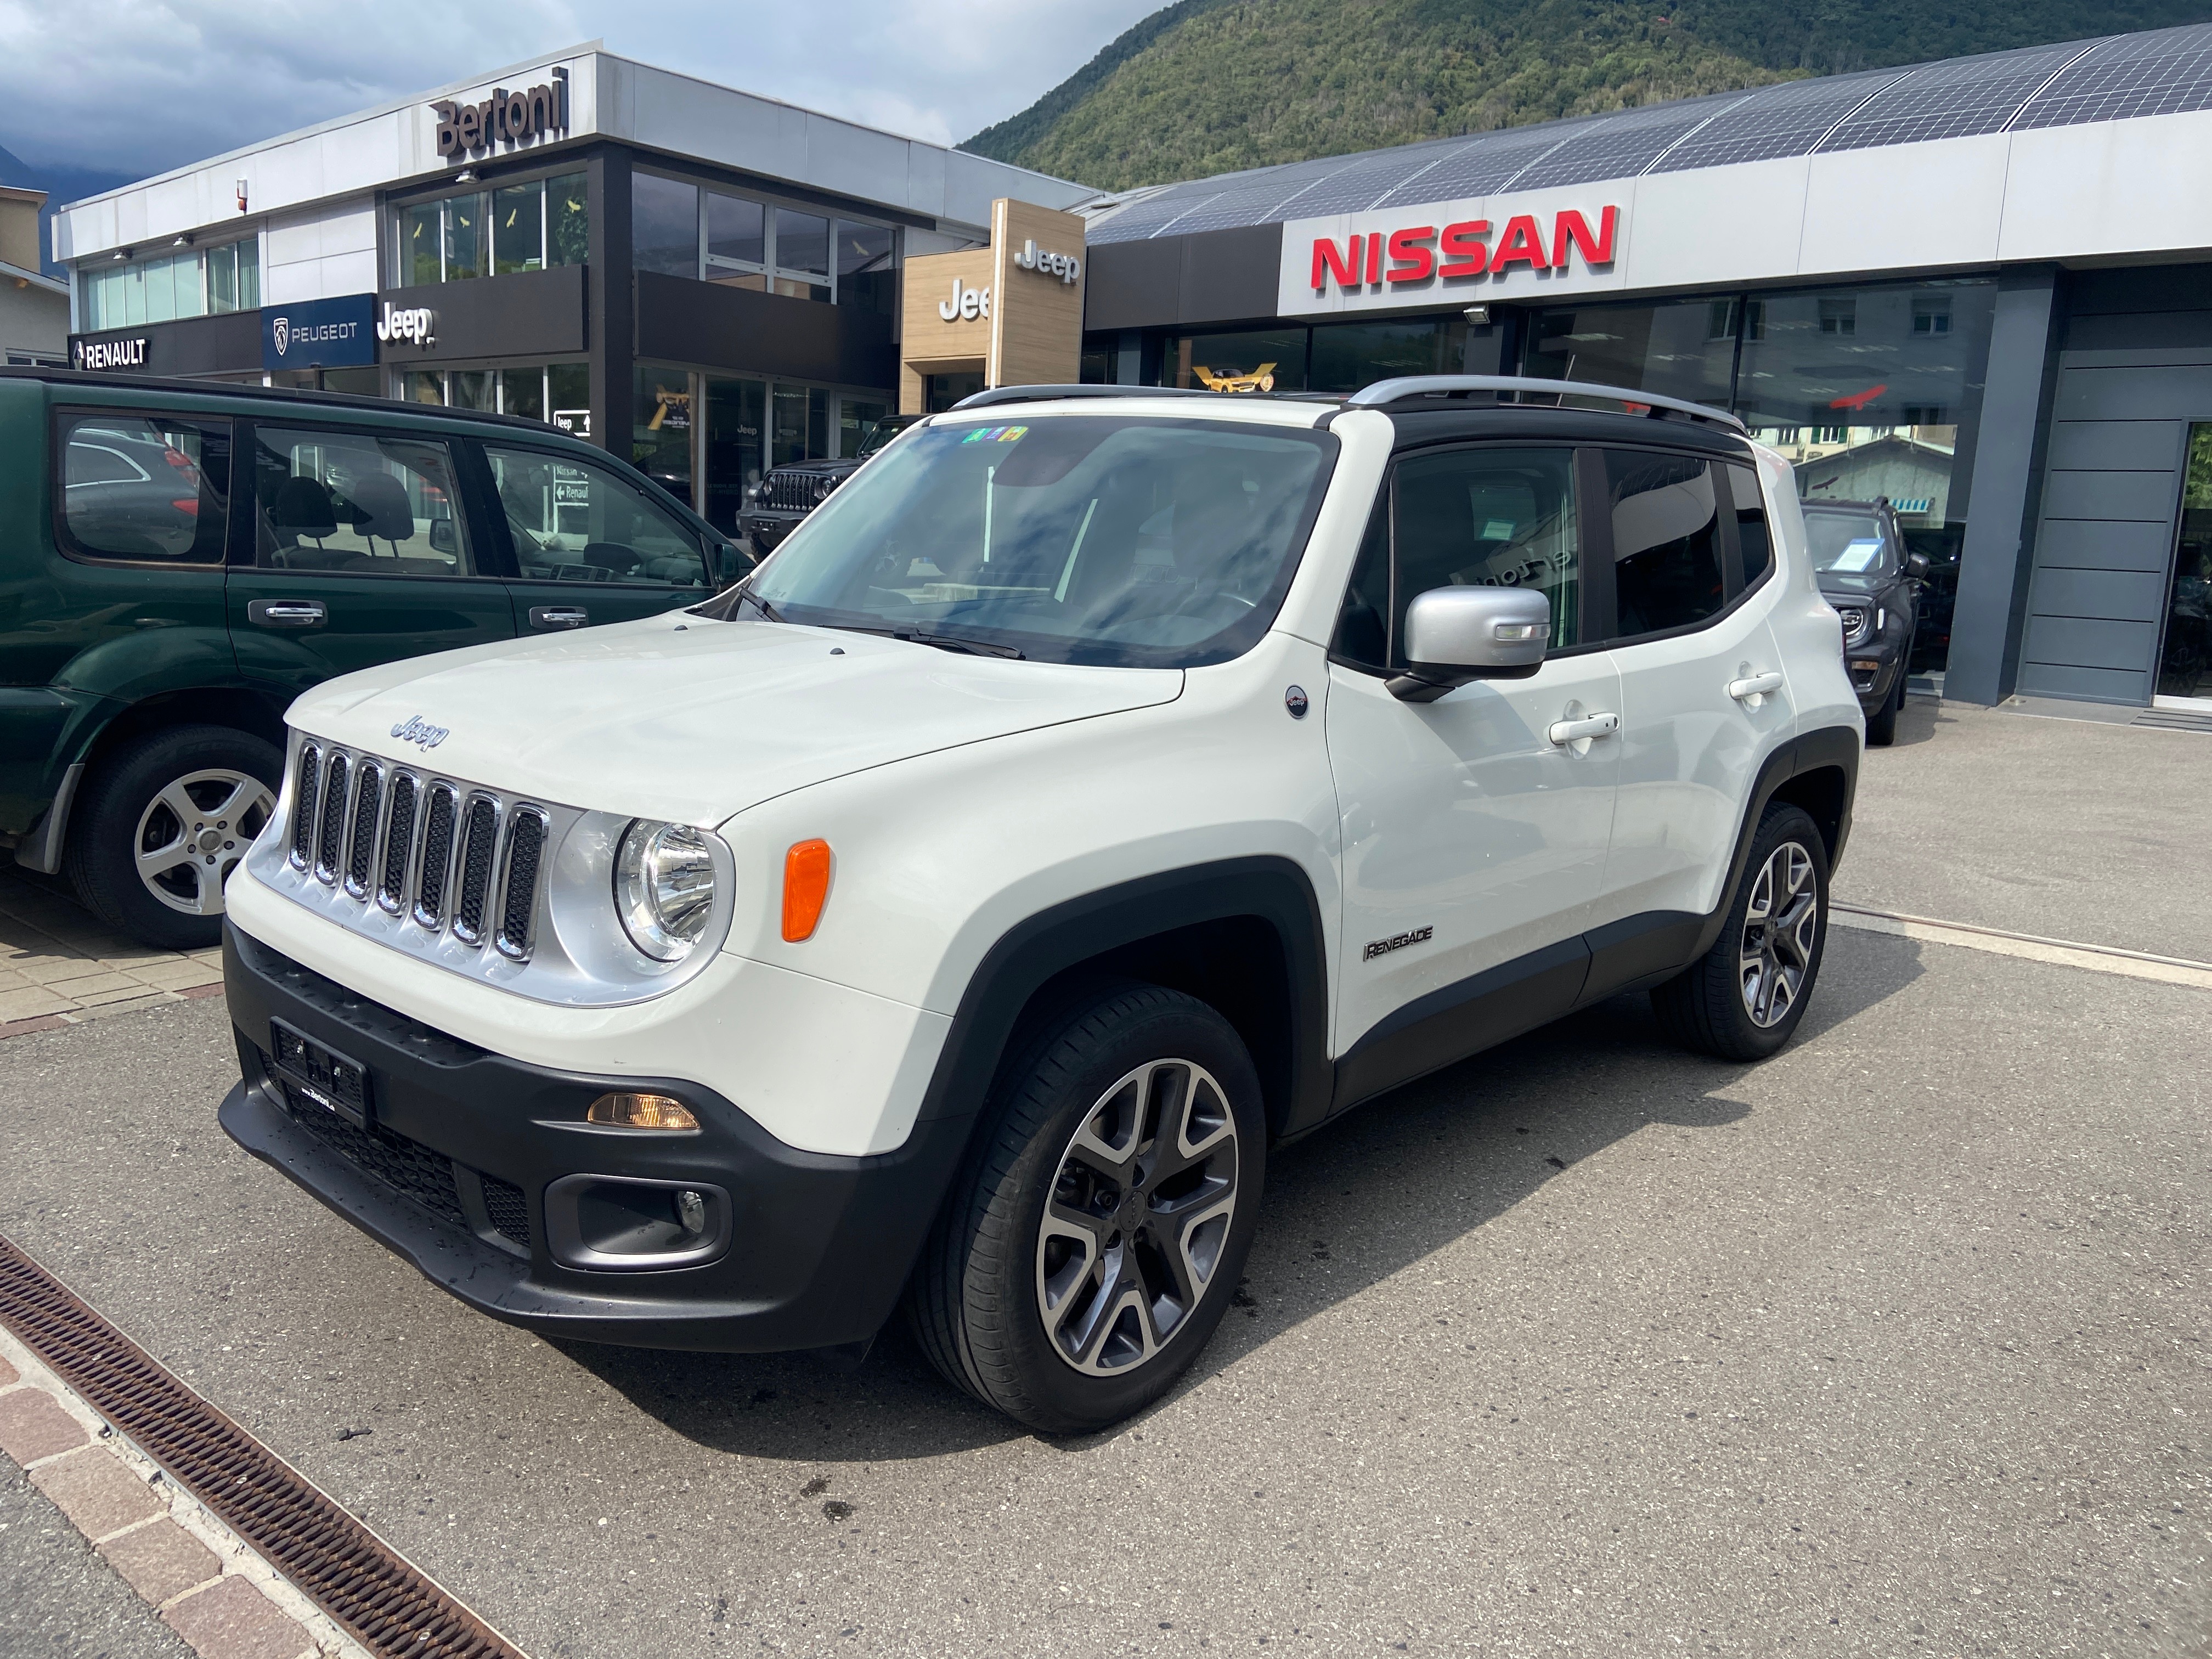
(287, 613)
(1596, 725)
(558, 616)
(1758, 685)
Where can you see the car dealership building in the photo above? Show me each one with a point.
(1981, 289)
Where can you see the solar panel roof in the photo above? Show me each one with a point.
(2118, 77)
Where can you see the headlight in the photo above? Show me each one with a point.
(663, 888)
(823, 487)
(1858, 623)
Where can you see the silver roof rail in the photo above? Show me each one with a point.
(1040, 394)
(1446, 385)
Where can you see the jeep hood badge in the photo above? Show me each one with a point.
(419, 731)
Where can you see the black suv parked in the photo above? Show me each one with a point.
(1866, 573)
(778, 503)
(180, 560)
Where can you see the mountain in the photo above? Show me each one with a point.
(1211, 86)
(62, 185)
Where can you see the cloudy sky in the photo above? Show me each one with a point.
(140, 86)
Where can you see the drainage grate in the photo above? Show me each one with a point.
(2174, 719)
(345, 1569)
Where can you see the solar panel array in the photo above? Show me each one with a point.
(2158, 72)
(1951, 100)
(1787, 119)
(2164, 72)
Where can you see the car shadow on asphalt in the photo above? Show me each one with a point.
(1919, 721)
(1366, 1196)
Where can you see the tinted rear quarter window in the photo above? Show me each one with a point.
(143, 489)
(1666, 541)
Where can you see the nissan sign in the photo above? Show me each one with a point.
(1533, 244)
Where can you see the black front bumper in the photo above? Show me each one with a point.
(452, 1171)
(767, 527)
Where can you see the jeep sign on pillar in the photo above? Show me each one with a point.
(1011, 312)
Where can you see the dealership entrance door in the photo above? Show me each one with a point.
(2184, 668)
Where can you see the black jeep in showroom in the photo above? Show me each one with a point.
(774, 506)
(1867, 573)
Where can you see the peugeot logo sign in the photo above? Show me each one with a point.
(283, 327)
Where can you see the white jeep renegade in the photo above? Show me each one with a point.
(1099, 788)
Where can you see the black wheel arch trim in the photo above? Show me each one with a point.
(1274, 890)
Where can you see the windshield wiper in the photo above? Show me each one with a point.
(748, 597)
(942, 641)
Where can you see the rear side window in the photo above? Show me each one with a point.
(1492, 517)
(1666, 541)
(143, 489)
(575, 522)
(1754, 542)
(359, 503)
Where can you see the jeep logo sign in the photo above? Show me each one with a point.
(1065, 266)
(416, 325)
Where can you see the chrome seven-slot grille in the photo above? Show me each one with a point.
(446, 857)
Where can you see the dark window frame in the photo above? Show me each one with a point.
(63, 415)
(1598, 620)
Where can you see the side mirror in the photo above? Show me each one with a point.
(443, 538)
(1455, 634)
(1915, 566)
(731, 563)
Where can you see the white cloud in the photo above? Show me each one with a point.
(140, 86)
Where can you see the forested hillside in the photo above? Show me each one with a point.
(1208, 86)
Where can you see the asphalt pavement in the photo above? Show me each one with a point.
(1891, 1345)
(61, 1601)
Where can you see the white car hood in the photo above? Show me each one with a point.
(680, 717)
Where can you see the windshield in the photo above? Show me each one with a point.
(1847, 542)
(878, 434)
(1116, 540)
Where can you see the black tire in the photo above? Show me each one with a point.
(1881, 729)
(122, 809)
(978, 1299)
(1709, 1007)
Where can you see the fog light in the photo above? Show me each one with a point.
(642, 1112)
(691, 1211)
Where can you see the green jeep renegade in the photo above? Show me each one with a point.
(180, 560)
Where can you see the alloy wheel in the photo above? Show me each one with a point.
(194, 831)
(1781, 925)
(1138, 1216)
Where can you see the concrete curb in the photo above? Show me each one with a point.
(201, 1579)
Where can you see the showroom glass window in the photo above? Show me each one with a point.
(684, 230)
(197, 282)
(559, 394)
(531, 225)
(1679, 348)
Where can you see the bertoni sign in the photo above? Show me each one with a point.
(508, 117)
(1539, 243)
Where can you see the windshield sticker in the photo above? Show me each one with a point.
(1004, 434)
(1858, 554)
(1497, 529)
(1012, 434)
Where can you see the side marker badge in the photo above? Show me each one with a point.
(1294, 699)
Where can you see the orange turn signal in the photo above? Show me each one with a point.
(627, 1111)
(805, 889)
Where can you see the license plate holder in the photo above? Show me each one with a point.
(333, 1081)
